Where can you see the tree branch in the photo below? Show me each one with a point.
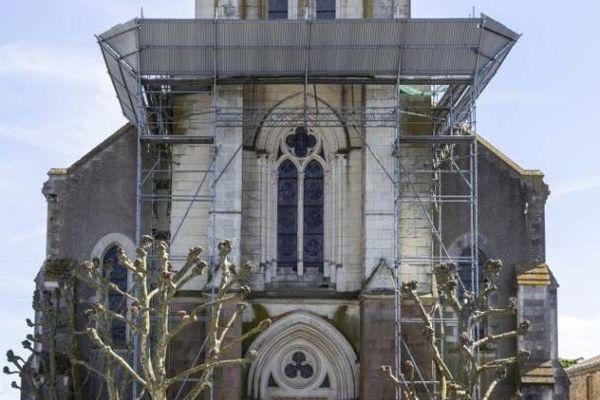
(93, 334)
(211, 364)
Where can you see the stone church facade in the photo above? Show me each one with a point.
(312, 208)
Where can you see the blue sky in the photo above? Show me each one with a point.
(540, 110)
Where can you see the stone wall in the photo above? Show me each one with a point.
(376, 346)
(190, 221)
(228, 380)
(585, 386)
(511, 227)
(257, 9)
(92, 198)
(91, 207)
(186, 348)
(194, 167)
(378, 186)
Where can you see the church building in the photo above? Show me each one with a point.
(334, 142)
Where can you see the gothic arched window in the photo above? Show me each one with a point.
(300, 203)
(117, 274)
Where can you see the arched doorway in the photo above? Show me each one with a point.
(302, 356)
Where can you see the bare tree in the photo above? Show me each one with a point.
(148, 317)
(150, 322)
(460, 380)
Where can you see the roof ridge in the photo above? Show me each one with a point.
(94, 151)
(507, 160)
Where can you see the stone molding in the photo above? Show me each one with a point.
(113, 239)
(331, 353)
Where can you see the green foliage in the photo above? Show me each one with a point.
(569, 362)
(58, 268)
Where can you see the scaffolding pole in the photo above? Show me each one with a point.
(148, 86)
(446, 135)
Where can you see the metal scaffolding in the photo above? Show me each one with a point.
(153, 63)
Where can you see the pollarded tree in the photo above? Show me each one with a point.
(148, 317)
(460, 379)
(149, 320)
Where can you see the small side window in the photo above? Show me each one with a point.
(278, 9)
(325, 9)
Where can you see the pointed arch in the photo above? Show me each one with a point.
(275, 143)
(305, 355)
(335, 138)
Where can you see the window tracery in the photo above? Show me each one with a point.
(300, 202)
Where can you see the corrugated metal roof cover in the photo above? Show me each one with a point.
(435, 51)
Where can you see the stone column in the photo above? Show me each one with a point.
(348, 9)
(415, 238)
(190, 222)
(378, 187)
(227, 190)
(340, 160)
(331, 218)
(253, 9)
(227, 9)
(387, 8)
(262, 218)
(300, 219)
(272, 216)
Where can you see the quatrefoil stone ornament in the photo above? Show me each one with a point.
(300, 142)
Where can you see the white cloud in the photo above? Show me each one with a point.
(577, 336)
(84, 109)
(495, 96)
(70, 135)
(576, 186)
(36, 233)
(69, 65)
(119, 10)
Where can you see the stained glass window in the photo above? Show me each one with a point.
(116, 302)
(313, 215)
(287, 215)
(301, 142)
